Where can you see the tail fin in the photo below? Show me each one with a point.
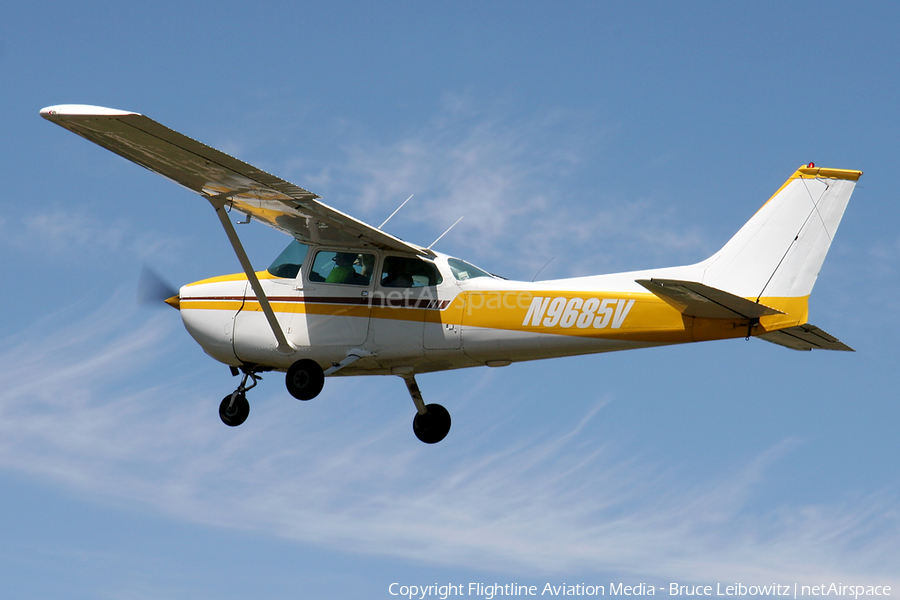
(780, 250)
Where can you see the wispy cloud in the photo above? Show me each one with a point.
(124, 421)
(520, 196)
(60, 232)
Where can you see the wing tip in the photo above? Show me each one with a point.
(82, 110)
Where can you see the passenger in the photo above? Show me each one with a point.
(368, 267)
(399, 276)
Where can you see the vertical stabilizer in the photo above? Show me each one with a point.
(780, 250)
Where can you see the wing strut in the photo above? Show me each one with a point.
(284, 346)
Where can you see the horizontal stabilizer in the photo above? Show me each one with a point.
(694, 299)
(805, 337)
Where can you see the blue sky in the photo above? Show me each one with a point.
(606, 137)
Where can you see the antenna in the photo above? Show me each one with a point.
(541, 269)
(396, 211)
(445, 233)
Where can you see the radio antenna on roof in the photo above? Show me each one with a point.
(396, 211)
(445, 233)
(541, 269)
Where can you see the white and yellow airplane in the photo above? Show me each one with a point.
(345, 298)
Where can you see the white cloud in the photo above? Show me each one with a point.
(512, 179)
(70, 232)
(118, 418)
(58, 230)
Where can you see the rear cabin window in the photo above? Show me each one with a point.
(404, 272)
(290, 260)
(347, 268)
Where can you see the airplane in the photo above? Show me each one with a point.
(345, 298)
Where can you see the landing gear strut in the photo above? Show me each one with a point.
(432, 421)
(234, 408)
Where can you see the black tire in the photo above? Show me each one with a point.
(239, 412)
(433, 426)
(304, 379)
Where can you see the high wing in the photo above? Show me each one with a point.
(218, 176)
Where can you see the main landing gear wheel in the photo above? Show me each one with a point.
(432, 421)
(304, 379)
(433, 426)
(234, 409)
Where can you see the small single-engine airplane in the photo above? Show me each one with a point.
(345, 298)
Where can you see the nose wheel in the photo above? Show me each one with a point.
(234, 408)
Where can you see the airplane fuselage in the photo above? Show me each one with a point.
(459, 322)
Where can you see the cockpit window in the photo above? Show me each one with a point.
(464, 271)
(350, 268)
(288, 263)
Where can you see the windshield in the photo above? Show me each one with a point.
(463, 270)
(288, 263)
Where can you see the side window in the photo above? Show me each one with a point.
(463, 270)
(350, 268)
(402, 272)
(288, 263)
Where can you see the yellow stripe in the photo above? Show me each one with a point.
(233, 277)
(816, 172)
(648, 319)
(312, 308)
(232, 305)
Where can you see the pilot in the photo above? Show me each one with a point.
(343, 271)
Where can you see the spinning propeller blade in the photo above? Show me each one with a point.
(153, 289)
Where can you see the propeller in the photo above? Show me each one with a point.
(153, 289)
